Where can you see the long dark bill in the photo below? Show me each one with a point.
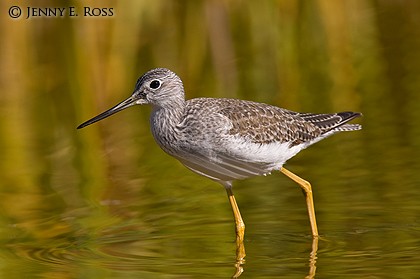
(123, 105)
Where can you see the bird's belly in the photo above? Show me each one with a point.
(222, 170)
(235, 159)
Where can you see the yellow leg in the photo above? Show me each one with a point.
(240, 226)
(307, 190)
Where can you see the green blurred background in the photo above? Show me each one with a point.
(106, 202)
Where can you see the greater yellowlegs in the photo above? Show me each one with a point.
(229, 139)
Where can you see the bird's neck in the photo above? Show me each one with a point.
(163, 122)
(171, 112)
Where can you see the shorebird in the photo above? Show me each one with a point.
(229, 139)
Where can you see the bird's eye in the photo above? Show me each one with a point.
(155, 84)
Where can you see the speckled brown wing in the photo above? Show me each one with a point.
(262, 123)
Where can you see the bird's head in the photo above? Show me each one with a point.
(159, 87)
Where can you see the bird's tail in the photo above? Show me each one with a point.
(346, 117)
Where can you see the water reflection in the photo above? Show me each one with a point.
(313, 258)
(240, 259)
(129, 250)
(240, 267)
